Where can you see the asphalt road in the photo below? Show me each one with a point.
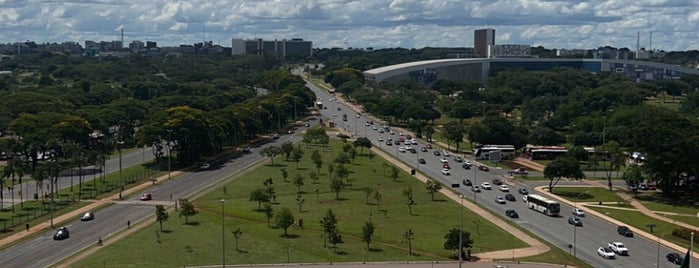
(556, 230)
(113, 218)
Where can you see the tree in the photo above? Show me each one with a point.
(271, 152)
(451, 240)
(186, 209)
(342, 173)
(259, 195)
(454, 131)
(286, 148)
(565, 166)
(284, 219)
(367, 193)
(433, 187)
(377, 197)
(331, 168)
(237, 233)
(314, 177)
(616, 159)
(633, 176)
(298, 182)
(285, 174)
(394, 173)
(161, 215)
(408, 193)
(317, 160)
(328, 223)
(362, 142)
(336, 185)
(334, 237)
(296, 155)
(268, 211)
(367, 233)
(343, 158)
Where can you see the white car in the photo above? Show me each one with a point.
(486, 185)
(578, 212)
(446, 171)
(445, 153)
(380, 138)
(619, 248)
(401, 149)
(444, 160)
(605, 252)
(504, 188)
(500, 200)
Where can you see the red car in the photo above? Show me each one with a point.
(446, 165)
(146, 197)
(497, 181)
(483, 168)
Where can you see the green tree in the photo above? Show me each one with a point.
(317, 160)
(377, 197)
(433, 187)
(342, 158)
(285, 174)
(367, 193)
(368, 233)
(161, 215)
(362, 143)
(296, 155)
(394, 173)
(408, 193)
(336, 185)
(284, 220)
(237, 233)
(271, 152)
(565, 166)
(287, 148)
(298, 182)
(300, 201)
(328, 223)
(268, 211)
(454, 132)
(259, 195)
(342, 173)
(451, 241)
(314, 177)
(187, 210)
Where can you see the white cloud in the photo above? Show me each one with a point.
(366, 23)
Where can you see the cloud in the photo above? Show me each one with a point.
(366, 23)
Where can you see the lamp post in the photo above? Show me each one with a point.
(169, 150)
(475, 183)
(461, 228)
(575, 227)
(121, 178)
(12, 191)
(223, 232)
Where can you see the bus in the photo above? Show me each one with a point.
(505, 151)
(544, 152)
(543, 205)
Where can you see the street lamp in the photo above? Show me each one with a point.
(575, 227)
(12, 191)
(121, 178)
(475, 183)
(461, 227)
(169, 150)
(223, 237)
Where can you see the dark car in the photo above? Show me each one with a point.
(674, 258)
(396, 142)
(61, 233)
(146, 197)
(511, 213)
(458, 159)
(88, 216)
(575, 221)
(466, 166)
(421, 161)
(484, 168)
(625, 231)
(523, 191)
(510, 197)
(437, 153)
(423, 149)
(275, 136)
(389, 143)
(467, 182)
(497, 181)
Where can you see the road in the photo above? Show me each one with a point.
(113, 218)
(595, 233)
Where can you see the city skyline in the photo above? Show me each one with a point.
(672, 24)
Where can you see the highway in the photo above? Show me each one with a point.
(556, 230)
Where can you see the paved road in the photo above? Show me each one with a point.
(595, 233)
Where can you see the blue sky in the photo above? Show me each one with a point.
(367, 23)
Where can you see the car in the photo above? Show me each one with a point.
(524, 198)
(605, 252)
(421, 161)
(396, 142)
(486, 185)
(519, 171)
(146, 196)
(413, 150)
(510, 197)
(504, 188)
(578, 212)
(575, 221)
(476, 189)
(651, 187)
(381, 138)
(523, 191)
(674, 258)
(643, 186)
(483, 168)
(500, 200)
(458, 159)
(88, 216)
(306, 125)
(445, 153)
(625, 231)
(246, 150)
(389, 143)
(446, 171)
(443, 160)
(619, 248)
(429, 146)
(375, 128)
(423, 149)
(466, 182)
(401, 149)
(205, 166)
(446, 165)
(339, 109)
(466, 166)
(61, 233)
(511, 213)
(381, 130)
(497, 181)
(275, 136)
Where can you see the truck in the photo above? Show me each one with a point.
(619, 248)
(344, 117)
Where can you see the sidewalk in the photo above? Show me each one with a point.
(75, 214)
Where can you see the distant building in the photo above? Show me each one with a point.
(504, 51)
(483, 38)
(286, 49)
(136, 46)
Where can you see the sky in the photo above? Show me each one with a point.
(566, 24)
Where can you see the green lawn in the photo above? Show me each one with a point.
(199, 243)
(587, 194)
(639, 220)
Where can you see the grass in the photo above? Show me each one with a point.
(639, 220)
(587, 194)
(199, 242)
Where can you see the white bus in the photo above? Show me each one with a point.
(505, 151)
(543, 205)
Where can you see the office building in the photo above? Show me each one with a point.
(481, 40)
